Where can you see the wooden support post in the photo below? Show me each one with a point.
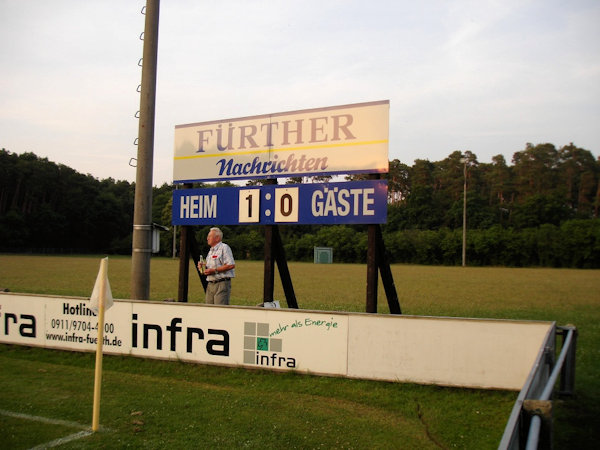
(386, 274)
(377, 260)
(269, 277)
(187, 247)
(372, 275)
(184, 264)
(184, 259)
(195, 254)
(274, 252)
(372, 262)
(284, 273)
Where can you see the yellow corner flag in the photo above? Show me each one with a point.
(100, 301)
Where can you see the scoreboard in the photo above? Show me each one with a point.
(356, 202)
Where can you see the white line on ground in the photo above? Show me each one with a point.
(44, 419)
(63, 440)
(86, 431)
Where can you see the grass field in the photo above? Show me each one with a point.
(154, 404)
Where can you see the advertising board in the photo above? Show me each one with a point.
(322, 141)
(477, 353)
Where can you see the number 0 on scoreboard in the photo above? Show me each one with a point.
(286, 204)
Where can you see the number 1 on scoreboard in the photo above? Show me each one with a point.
(249, 206)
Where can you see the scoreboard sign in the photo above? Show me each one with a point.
(323, 141)
(358, 202)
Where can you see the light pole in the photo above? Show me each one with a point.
(464, 226)
(142, 212)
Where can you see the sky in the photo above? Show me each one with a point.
(485, 76)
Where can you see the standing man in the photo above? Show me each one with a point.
(219, 269)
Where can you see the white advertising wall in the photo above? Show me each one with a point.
(457, 352)
(454, 352)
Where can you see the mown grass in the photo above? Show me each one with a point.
(158, 404)
(154, 404)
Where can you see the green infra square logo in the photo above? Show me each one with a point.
(262, 343)
(256, 338)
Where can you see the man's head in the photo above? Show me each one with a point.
(215, 236)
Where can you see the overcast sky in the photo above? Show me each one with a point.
(482, 75)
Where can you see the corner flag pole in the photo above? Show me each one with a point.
(100, 289)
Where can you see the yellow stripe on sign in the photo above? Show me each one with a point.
(279, 150)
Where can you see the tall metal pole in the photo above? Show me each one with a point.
(464, 227)
(142, 215)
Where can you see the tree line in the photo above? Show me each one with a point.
(542, 210)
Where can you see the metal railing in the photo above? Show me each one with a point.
(530, 424)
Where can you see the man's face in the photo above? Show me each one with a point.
(212, 239)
